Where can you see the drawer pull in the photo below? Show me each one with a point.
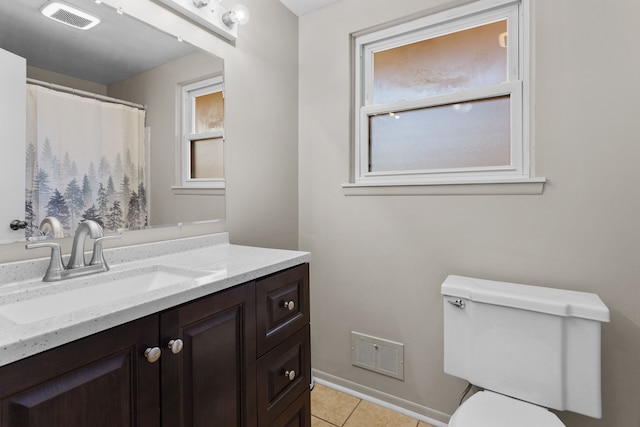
(291, 375)
(152, 354)
(176, 346)
(289, 305)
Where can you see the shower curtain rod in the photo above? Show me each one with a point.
(84, 94)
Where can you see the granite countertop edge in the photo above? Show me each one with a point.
(218, 264)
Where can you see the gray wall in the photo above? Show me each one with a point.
(379, 261)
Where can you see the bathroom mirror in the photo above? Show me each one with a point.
(119, 58)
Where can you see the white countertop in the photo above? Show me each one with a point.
(216, 265)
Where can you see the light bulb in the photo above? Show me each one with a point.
(239, 14)
(242, 13)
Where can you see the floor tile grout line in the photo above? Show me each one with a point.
(352, 411)
(326, 421)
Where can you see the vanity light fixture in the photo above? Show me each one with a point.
(212, 15)
(69, 15)
(239, 14)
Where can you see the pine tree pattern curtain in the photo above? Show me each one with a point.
(86, 159)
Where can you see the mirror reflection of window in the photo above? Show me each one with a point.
(207, 154)
(209, 112)
(203, 150)
(206, 158)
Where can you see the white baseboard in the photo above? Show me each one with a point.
(411, 409)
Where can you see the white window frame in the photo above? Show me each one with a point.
(517, 87)
(189, 94)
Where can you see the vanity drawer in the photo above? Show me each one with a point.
(282, 304)
(277, 387)
(296, 415)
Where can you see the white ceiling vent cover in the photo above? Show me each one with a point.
(69, 15)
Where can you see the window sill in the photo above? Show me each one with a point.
(198, 191)
(530, 186)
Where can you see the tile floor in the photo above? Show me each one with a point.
(332, 408)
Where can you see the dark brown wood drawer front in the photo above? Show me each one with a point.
(296, 415)
(276, 387)
(277, 318)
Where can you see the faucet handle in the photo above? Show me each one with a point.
(97, 258)
(55, 247)
(56, 266)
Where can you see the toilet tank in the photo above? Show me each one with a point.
(540, 345)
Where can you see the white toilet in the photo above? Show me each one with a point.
(530, 348)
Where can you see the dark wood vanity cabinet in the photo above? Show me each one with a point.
(244, 362)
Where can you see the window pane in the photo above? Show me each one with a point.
(467, 59)
(207, 158)
(473, 134)
(209, 112)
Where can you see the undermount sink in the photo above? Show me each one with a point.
(96, 290)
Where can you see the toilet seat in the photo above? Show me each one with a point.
(489, 409)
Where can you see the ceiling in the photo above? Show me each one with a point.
(300, 7)
(117, 48)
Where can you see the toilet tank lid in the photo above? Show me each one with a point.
(559, 302)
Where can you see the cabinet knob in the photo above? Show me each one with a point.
(289, 305)
(152, 354)
(176, 346)
(17, 224)
(291, 375)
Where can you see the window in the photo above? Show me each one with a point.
(443, 99)
(203, 134)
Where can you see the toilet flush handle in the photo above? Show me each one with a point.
(456, 302)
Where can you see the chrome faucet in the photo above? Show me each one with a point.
(51, 224)
(87, 228)
(76, 266)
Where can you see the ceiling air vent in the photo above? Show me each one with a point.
(69, 15)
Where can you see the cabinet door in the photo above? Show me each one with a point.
(99, 381)
(211, 382)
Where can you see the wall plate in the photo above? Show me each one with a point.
(378, 355)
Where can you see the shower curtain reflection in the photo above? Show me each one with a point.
(86, 159)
